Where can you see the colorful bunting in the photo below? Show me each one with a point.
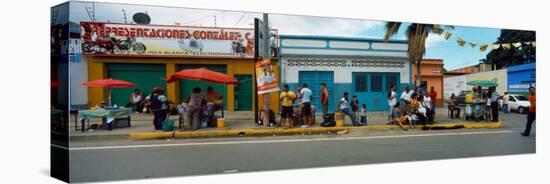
(496, 46)
(483, 47)
(472, 44)
(517, 44)
(447, 35)
(460, 42)
(505, 45)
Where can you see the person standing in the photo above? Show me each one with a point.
(494, 103)
(505, 101)
(354, 105)
(159, 107)
(287, 100)
(306, 105)
(531, 115)
(453, 107)
(194, 103)
(363, 119)
(433, 97)
(428, 105)
(392, 101)
(343, 105)
(324, 100)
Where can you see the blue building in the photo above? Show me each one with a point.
(521, 77)
(362, 67)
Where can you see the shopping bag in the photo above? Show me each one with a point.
(168, 125)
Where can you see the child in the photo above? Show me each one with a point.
(399, 117)
(363, 119)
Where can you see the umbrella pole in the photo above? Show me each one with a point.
(109, 90)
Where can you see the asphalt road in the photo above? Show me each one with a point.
(161, 158)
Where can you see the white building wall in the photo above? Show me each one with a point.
(342, 74)
(458, 83)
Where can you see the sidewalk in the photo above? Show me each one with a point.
(242, 123)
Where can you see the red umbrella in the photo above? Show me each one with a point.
(202, 74)
(113, 83)
(109, 83)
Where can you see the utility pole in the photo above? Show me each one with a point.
(267, 56)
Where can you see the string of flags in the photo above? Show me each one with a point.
(482, 47)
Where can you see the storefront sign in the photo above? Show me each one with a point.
(133, 39)
(265, 77)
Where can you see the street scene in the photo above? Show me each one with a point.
(161, 92)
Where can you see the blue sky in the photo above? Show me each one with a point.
(453, 55)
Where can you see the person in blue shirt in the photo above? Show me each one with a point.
(306, 105)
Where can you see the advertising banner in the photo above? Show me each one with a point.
(99, 38)
(265, 77)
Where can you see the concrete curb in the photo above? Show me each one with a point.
(280, 131)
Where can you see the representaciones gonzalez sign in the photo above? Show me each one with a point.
(133, 39)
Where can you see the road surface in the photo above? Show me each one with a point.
(121, 160)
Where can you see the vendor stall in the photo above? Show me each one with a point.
(110, 117)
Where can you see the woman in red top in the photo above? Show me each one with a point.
(532, 111)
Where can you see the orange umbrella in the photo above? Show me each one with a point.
(109, 83)
(202, 74)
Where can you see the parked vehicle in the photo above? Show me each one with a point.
(518, 103)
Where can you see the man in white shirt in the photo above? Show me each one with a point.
(343, 105)
(406, 98)
(306, 105)
(427, 103)
(505, 101)
(392, 101)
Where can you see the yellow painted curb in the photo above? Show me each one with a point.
(151, 135)
(219, 133)
(280, 131)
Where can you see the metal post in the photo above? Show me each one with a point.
(267, 56)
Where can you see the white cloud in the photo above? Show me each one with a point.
(433, 40)
(307, 25)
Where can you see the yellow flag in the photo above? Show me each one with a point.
(460, 42)
(447, 35)
(483, 47)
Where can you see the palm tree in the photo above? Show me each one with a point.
(416, 35)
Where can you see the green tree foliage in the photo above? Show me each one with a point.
(502, 57)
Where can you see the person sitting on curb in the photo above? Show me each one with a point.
(399, 117)
(343, 105)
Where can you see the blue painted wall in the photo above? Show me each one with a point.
(521, 77)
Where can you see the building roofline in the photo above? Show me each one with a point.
(318, 37)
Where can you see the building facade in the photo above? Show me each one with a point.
(147, 54)
(362, 67)
(521, 77)
(431, 75)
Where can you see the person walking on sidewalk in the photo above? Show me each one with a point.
(355, 108)
(505, 101)
(287, 100)
(324, 100)
(194, 103)
(531, 115)
(306, 105)
(159, 107)
(343, 105)
(392, 101)
(494, 103)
